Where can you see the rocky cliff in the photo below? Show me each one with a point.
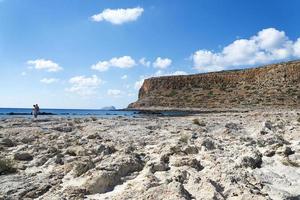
(276, 85)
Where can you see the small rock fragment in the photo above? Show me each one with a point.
(232, 126)
(268, 125)
(208, 144)
(269, 153)
(190, 149)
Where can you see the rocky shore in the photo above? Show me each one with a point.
(228, 155)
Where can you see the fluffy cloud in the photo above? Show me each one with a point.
(266, 46)
(113, 93)
(101, 66)
(162, 63)
(42, 64)
(118, 16)
(144, 62)
(83, 85)
(49, 80)
(121, 62)
(297, 48)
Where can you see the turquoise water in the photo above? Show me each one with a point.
(5, 112)
(26, 112)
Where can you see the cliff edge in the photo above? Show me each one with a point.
(275, 85)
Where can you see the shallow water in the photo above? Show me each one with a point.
(26, 112)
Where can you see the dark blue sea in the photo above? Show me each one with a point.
(26, 112)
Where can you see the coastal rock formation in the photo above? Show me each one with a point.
(271, 85)
(232, 155)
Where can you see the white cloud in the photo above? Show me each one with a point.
(162, 63)
(297, 48)
(144, 62)
(49, 80)
(113, 93)
(23, 73)
(118, 16)
(206, 61)
(121, 62)
(83, 85)
(270, 38)
(101, 66)
(124, 77)
(267, 46)
(42, 64)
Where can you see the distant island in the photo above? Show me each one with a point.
(108, 108)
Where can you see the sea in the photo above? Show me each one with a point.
(27, 112)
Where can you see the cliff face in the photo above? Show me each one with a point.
(271, 85)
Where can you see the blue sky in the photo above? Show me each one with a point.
(90, 54)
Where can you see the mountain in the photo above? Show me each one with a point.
(108, 108)
(275, 85)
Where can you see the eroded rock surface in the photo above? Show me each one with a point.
(253, 155)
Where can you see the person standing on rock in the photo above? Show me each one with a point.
(35, 110)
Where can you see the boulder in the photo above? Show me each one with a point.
(41, 161)
(53, 151)
(7, 142)
(65, 129)
(27, 140)
(208, 144)
(23, 156)
(6, 167)
(190, 149)
(59, 159)
(37, 192)
(187, 161)
(207, 189)
(285, 151)
(76, 151)
(232, 126)
(172, 190)
(161, 164)
(112, 174)
(180, 176)
(92, 136)
(104, 149)
(252, 159)
(83, 167)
